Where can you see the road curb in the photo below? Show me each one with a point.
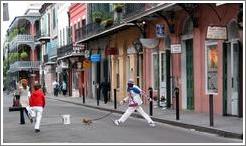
(170, 122)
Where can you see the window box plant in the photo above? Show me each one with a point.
(97, 16)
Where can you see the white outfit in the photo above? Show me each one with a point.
(130, 110)
(24, 96)
(134, 92)
(36, 111)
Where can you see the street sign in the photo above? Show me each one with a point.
(176, 48)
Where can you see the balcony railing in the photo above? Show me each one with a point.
(23, 38)
(70, 50)
(131, 10)
(24, 66)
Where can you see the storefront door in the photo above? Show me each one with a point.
(232, 75)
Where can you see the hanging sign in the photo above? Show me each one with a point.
(160, 30)
(131, 50)
(111, 51)
(86, 64)
(216, 33)
(96, 57)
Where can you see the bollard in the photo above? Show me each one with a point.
(115, 101)
(98, 93)
(83, 93)
(22, 119)
(211, 110)
(177, 103)
(151, 101)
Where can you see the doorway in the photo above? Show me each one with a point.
(159, 77)
(231, 78)
(189, 74)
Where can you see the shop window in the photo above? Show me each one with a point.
(155, 71)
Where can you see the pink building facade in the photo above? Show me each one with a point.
(188, 68)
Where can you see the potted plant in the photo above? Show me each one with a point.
(118, 7)
(97, 16)
(23, 55)
(108, 20)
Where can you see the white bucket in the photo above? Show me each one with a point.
(66, 119)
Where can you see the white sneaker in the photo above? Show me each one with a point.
(152, 124)
(116, 122)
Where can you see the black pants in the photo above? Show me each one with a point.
(64, 92)
(105, 97)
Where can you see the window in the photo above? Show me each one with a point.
(48, 24)
(63, 37)
(54, 18)
(60, 38)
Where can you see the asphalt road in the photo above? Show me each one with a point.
(101, 131)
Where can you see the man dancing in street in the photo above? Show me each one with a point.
(134, 101)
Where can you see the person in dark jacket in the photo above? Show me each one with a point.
(37, 103)
(105, 88)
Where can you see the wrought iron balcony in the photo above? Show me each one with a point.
(21, 39)
(63, 50)
(70, 50)
(24, 66)
(131, 11)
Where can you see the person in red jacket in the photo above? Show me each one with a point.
(37, 103)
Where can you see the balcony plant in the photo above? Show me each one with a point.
(23, 55)
(97, 16)
(118, 7)
(108, 20)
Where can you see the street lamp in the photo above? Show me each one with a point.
(139, 48)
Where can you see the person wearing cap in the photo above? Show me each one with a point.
(37, 103)
(134, 102)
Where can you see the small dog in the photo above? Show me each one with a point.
(86, 121)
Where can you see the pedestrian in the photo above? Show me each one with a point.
(24, 93)
(105, 88)
(64, 88)
(134, 102)
(55, 87)
(37, 103)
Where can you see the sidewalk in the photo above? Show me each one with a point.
(223, 125)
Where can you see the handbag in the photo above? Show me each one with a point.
(135, 101)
